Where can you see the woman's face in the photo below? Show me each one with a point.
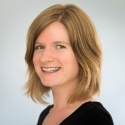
(54, 59)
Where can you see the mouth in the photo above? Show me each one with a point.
(52, 69)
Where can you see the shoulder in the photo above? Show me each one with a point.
(43, 114)
(95, 113)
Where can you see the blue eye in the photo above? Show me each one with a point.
(38, 47)
(60, 46)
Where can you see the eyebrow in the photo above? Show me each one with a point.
(56, 42)
(60, 42)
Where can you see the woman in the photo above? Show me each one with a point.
(64, 55)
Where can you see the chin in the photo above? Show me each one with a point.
(49, 85)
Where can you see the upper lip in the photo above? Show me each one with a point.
(52, 67)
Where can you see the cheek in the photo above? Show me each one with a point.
(69, 59)
(35, 59)
(73, 62)
(35, 63)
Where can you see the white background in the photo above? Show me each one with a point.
(15, 18)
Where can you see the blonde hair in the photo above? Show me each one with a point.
(84, 42)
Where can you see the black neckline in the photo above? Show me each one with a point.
(74, 113)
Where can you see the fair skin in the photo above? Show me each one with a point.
(57, 67)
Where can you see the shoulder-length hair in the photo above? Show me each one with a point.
(84, 42)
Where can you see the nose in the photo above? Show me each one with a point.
(46, 56)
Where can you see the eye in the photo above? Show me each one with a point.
(38, 47)
(60, 46)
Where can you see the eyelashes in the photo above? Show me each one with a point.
(39, 47)
(60, 46)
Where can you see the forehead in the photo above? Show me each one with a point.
(55, 31)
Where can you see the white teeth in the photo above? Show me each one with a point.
(50, 69)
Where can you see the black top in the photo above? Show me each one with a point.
(89, 113)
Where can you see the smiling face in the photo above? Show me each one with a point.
(54, 59)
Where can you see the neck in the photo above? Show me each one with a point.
(61, 95)
(60, 98)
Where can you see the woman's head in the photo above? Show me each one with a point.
(85, 45)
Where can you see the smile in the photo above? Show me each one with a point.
(54, 69)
